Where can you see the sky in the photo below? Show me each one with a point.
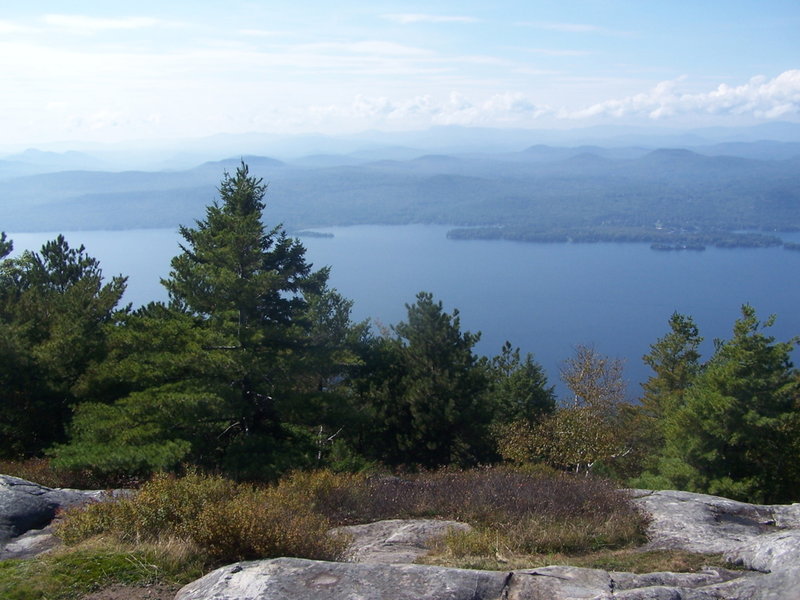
(103, 71)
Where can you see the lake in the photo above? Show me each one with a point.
(544, 298)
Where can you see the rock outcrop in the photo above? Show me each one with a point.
(759, 537)
(26, 509)
(395, 540)
(298, 579)
(763, 539)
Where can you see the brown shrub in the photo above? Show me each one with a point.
(264, 524)
(40, 470)
(513, 511)
(225, 520)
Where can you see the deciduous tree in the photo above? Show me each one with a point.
(585, 429)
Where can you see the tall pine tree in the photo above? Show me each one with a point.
(251, 286)
(202, 380)
(675, 361)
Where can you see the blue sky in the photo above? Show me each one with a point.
(112, 71)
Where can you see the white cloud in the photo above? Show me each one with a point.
(87, 25)
(409, 18)
(9, 27)
(760, 97)
(454, 109)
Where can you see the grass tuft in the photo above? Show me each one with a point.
(97, 564)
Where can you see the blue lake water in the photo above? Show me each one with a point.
(544, 298)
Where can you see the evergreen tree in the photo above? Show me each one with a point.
(334, 347)
(675, 361)
(53, 310)
(216, 377)
(428, 392)
(251, 287)
(5, 245)
(519, 390)
(736, 433)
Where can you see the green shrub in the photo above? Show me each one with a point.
(168, 504)
(162, 507)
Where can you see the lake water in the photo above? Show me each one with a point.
(544, 298)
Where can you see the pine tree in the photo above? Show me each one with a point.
(736, 433)
(208, 379)
(5, 245)
(675, 360)
(250, 286)
(54, 307)
(519, 391)
(428, 391)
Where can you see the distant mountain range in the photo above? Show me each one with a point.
(375, 145)
(614, 190)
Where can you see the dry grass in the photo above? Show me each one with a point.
(628, 560)
(512, 511)
(223, 520)
(40, 471)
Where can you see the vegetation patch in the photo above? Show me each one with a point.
(513, 512)
(42, 472)
(226, 521)
(625, 560)
(74, 573)
(175, 529)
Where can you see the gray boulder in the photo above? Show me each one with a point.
(25, 505)
(395, 540)
(30, 544)
(26, 509)
(709, 524)
(298, 579)
(762, 537)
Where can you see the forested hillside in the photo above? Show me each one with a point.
(540, 194)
